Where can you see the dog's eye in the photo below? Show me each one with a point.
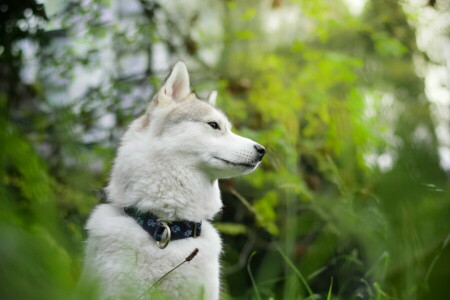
(214, 125)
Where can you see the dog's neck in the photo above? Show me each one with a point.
(183, 197)
(169, 189)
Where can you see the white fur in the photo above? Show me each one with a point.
(169, 163)
(212, 96)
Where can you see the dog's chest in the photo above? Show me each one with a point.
(122, 253)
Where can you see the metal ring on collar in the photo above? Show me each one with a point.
(163, 243)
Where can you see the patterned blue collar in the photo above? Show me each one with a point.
(158, 228)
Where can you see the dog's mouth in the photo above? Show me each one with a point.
(244, 165)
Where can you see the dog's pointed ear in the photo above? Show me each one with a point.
(177, 85)
(212, 96)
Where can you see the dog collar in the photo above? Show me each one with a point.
(163, 231)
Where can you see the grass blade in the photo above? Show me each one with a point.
(251, 275)
(331, 288)
(297, 271)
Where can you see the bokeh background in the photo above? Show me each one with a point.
(351, 99)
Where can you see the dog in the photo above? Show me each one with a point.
(162, 193)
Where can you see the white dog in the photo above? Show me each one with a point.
(162, 192)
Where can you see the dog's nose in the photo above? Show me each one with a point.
(261, 150)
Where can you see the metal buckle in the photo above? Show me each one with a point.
(163, 243)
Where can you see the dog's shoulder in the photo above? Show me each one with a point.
(109, 219)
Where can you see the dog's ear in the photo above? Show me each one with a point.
(212, 98)
(176, 87)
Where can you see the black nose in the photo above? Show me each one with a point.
(261, 150)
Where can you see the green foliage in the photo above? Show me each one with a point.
(231, 228)
(265, 212)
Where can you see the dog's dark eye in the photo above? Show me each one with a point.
(214, 125)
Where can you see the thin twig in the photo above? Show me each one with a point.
(243, 200)
(187, 259)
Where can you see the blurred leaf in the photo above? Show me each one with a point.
(231, 228)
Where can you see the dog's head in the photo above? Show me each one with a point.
(177, 125)
(179, 142)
